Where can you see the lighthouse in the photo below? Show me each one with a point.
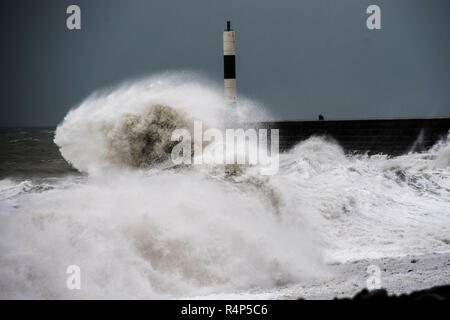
(229, 64)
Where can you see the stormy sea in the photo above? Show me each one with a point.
(99, 191)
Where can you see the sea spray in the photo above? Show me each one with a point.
(141, 230)
(136, 230)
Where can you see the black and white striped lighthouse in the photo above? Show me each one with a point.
(229, 64)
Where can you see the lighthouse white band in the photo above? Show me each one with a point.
(228, 43)
(230, 89)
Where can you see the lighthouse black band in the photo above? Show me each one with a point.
(229, 67)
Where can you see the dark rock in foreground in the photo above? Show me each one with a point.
(434, 293)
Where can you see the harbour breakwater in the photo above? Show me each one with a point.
(388, 136)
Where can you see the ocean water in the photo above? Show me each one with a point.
(99, 192)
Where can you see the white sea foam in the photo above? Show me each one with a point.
(140, 231)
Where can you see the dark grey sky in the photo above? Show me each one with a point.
(299, 58)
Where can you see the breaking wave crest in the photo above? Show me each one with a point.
(131, 126)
